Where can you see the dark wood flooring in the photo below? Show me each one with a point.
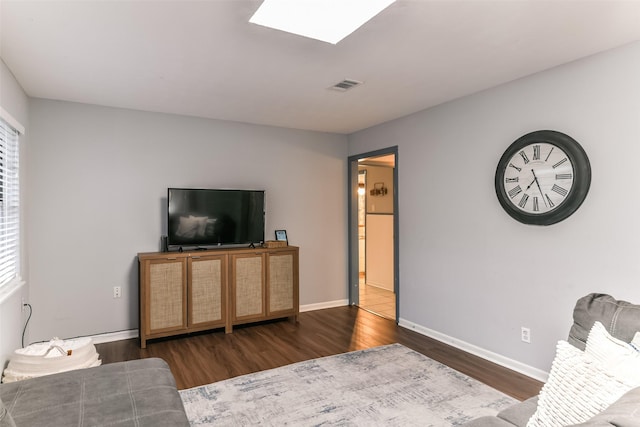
(204, 358)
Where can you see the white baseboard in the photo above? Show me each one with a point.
(323, 305)
(133, 333)
(514, 365)
(114, 336)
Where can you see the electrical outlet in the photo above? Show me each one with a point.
(117, 291)
(525, 334)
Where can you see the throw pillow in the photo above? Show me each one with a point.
(616, 356)
(578, 388)
(5, 417)
(636, 341)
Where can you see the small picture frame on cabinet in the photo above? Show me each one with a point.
(281, 236)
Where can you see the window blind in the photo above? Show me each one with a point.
(9, 204)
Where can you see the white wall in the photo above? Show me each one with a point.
(379, 251)
(14, 101)
(469, 271)
(98, 179)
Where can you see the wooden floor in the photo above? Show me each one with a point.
(208, 357)
(377, 300)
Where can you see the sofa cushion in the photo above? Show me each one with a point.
(135, 393)
(620, 318)
(488, 422)
(625, 412)
(5, 417)
(520, 413)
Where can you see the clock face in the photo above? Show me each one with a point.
(543, 177)
(538, 178)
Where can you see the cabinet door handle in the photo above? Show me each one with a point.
(195, 257)
(171, 259)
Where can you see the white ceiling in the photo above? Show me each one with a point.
(204, 59)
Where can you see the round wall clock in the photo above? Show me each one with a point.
(543, 177)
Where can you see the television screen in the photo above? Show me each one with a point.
(214, 217)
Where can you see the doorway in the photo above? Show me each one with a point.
(373, 225)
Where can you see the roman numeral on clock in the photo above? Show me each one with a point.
(561, 191)
(551, 204)
(560, 162)
(515, 191)
(512, 180)
(524, 157)
(523, 201)
(564, 176)
(536, 207)
(511, 165)
(549, 155)
(536, 152)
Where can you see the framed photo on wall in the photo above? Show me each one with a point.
(281, 236)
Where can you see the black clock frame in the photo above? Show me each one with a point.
(581, 180)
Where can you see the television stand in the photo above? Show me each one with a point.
(181, 293)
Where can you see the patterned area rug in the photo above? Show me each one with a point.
(390, 385)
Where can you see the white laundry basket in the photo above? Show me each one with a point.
(51, 357)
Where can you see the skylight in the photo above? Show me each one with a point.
(326, 20)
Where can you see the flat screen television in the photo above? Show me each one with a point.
(205, 218)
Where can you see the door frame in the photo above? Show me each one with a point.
(352, 191)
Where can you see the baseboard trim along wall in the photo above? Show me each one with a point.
(323, 305)
(134, 333)
(514, 365)
(114, 336)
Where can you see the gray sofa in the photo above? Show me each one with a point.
(136, 393)
(622, 320)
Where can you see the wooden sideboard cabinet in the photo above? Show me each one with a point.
(264, 285)
(183, 292)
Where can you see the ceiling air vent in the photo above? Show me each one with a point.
(345, 85)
